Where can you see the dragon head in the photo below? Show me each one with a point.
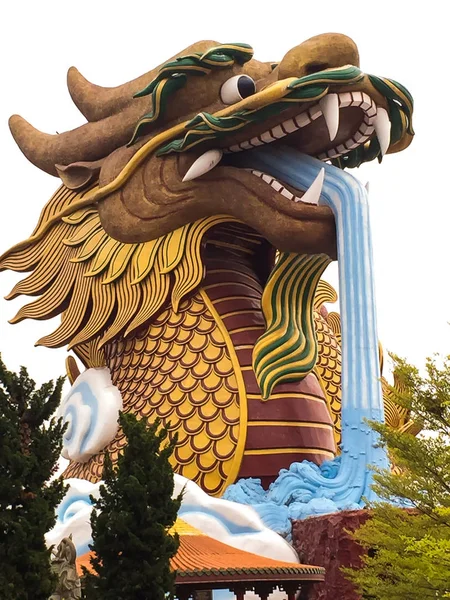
(169, 147)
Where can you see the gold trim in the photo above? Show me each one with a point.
(126, 283)
(244, 311)
(250, 328)
(223, 299)
(243, 408)
(289, 424)
(266, 451)
(282, 396)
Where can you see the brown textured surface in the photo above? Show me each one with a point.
(324, 541)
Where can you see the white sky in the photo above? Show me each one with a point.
(112, 42)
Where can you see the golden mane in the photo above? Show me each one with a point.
(101, 286)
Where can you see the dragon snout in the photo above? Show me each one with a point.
(325, 51)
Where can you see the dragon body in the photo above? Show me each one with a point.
(195, 281)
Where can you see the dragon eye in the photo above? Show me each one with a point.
(237, 88)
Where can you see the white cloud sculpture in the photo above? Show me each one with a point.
(237, 525)
(91, 411)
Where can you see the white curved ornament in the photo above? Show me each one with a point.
(91, 411)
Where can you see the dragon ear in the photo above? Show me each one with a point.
(79, 174)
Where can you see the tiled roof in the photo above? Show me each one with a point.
(201, 558)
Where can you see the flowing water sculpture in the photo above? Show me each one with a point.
(199, 206)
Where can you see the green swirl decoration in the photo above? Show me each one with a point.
(287, 351)
(160, 94)
(172, 76)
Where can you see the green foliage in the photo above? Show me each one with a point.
(132, 518)
(30, 445)
(409, 549)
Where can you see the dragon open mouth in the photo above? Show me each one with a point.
(300, 128)
(311, 127)
(340, 124)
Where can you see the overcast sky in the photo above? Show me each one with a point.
(112, 42)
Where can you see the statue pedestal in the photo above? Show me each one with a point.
(323, 541)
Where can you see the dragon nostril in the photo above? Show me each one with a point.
(330, 50)
(315, 67)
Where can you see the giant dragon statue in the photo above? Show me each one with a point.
(200, 204)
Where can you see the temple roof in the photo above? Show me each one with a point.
(200, 558)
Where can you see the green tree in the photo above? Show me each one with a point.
(30, 445)
(409, 548)
(131, 520)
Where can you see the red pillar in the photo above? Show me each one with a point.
(291, 590)
(183, 594)
(239, 592)
(264, 590)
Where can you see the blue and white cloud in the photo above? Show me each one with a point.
(234, 524)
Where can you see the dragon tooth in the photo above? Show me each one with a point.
(312, 194)
(286, 193)
(382, 127)
(267, 137)
(329, 105)
(203, 164)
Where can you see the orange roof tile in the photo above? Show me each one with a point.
(201, 557)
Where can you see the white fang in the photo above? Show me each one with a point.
(329, 105)
(382, 127)
(312, 194)
(203, 164)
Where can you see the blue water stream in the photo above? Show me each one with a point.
(345, 482)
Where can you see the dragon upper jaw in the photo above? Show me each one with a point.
(326, 113)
